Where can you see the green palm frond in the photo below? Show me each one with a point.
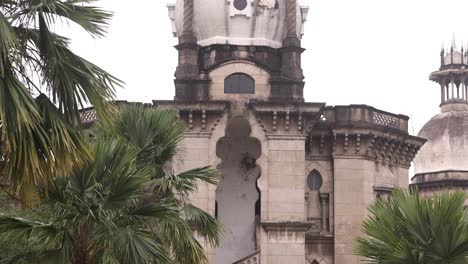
(184, 245)
(25, 144)
(7, 42)
(138, 246)
(203, 223)
(93, 19)
(122, 206)
(157, 133)
(411, 229)
(186, 182)
(43, 85)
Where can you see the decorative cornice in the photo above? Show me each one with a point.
(286, 118)
(441, 184)
(285, 226)
(384, 188)
(386, 147)
(286, 137)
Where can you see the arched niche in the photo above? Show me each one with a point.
(314, 183)
(237, 196)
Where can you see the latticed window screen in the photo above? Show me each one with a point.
(239, 83)
(314, 180)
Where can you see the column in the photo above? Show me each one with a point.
(324, 198)
(291, 20)
(452, 84)
(462, 88)
(447, 92)
(188, 17)
(466, 93)
(442, 93)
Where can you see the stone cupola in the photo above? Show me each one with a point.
(452, 77)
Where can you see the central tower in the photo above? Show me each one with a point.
(296, 176)
(239, 87)
(258, 36)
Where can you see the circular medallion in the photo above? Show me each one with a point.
(240, 4)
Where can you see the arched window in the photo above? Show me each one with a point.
(239, 83)
(314, 180)
(315, 262)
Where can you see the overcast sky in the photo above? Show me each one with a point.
(371, 52)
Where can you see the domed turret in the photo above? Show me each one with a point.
(259, 38)
(238, 22)
(443, 160)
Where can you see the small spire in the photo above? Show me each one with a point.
(454, 45)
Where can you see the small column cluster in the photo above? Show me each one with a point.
(452, 76)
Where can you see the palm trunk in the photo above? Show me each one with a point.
(81, 253)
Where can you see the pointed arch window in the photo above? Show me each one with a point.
(314, 180)
(239, 83)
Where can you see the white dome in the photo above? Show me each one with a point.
(447, 143)
(221, 22)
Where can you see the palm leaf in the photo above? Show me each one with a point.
(411, 229)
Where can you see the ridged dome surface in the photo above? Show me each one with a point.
(447, 143)
(261, 23)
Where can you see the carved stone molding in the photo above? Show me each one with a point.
(287, 118)
(388, 148)
(201, 118)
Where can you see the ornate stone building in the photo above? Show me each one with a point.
(297, 176)
(442, 163)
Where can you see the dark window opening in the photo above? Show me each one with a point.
(216, 209)
(314, 180)
(240, 4)
(239, 83)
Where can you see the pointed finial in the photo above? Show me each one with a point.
(454, 45)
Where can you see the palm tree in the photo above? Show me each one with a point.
(124, 207)
(157, 135)
(43, 84)
(413, 230)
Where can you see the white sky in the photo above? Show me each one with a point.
(375, 52)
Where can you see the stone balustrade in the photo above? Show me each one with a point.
(88, 116)
(365, 116)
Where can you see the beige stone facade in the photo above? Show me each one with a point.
(297, 177)
(359, 152)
